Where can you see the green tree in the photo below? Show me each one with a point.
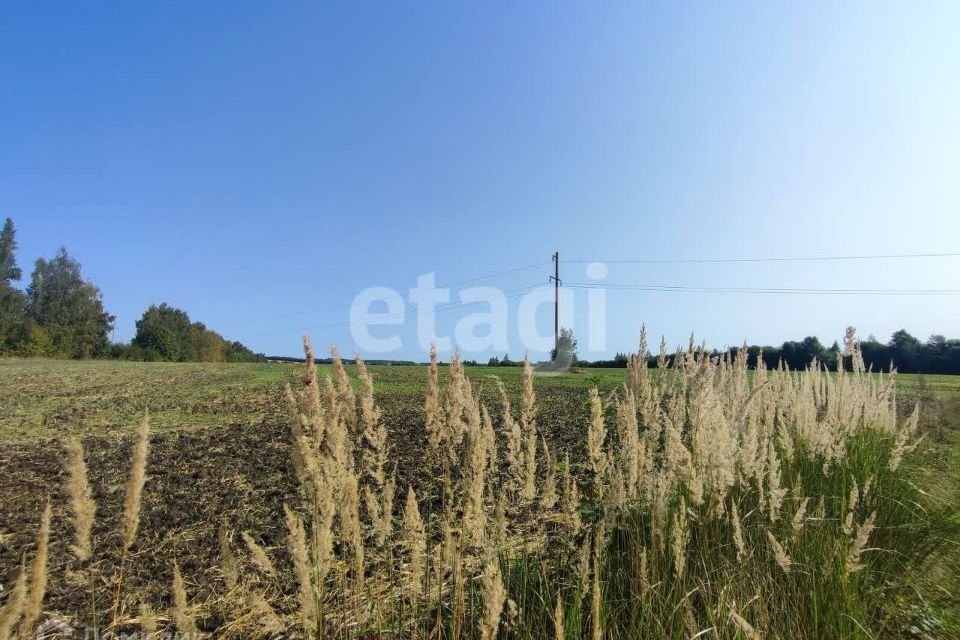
(564, 355)
(68, 308)
(906, 351)
(798, 355)
(206, 345)
(30, 340)
(11, 319)
(237, 352)
(165, 333)
(829, 356)
(12, 302)
(8, 246)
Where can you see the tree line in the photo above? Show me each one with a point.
(61, 315)
(903, 351)
(938, 355)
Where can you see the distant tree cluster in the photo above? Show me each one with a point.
(796, 354)
(505, 361)
(905, 352)
(619, 362)
(61, 315)
(937, 355)
(165, 333)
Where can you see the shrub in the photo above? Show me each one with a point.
(33, 341)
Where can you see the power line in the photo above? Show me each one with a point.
(494, 275)
(508, 294)
(762, 290)
(440, 286)
(669, 288)
(770, 259)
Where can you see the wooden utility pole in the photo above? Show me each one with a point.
(556, 303)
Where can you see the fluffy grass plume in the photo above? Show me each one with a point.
(432, 411)
(16, 603)
(228, 561)
(82, 507)
(596, 434)
(302, 569)
(596, 602)
(493, 595)
(182, 613)
(33, 607)
(264, 614)
(135, 483)
(860, 543)
(345, 394)
(783, 560)
(415, 542)
(147, 621)
(559, 631)
(258, 555)
(745, 627)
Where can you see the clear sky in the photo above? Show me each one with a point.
(260, 163)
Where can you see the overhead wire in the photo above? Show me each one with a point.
(440, 286)
(764, 290)
(887, 256)
(513, 293)
(508, 294)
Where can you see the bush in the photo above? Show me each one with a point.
(165, 333)
(33, 341)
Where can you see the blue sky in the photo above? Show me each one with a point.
(259, 164)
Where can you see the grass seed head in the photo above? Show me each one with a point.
(559, 633)
(859, 544)
(228, 560)
(303, 570)
(82, 506)
(783, 560)
(494, 595)
(148, 621)
(16, 603)
(415, 542)
(182, 613)
(258, 555)
(596, 598)
(33, 608)
(135, 483)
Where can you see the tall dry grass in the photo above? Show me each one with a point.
(710, 501)
(23, 609)
(694, 499)
(37, 589)
(82, 505)
(16, 601)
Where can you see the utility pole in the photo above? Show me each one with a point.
(556, 303)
